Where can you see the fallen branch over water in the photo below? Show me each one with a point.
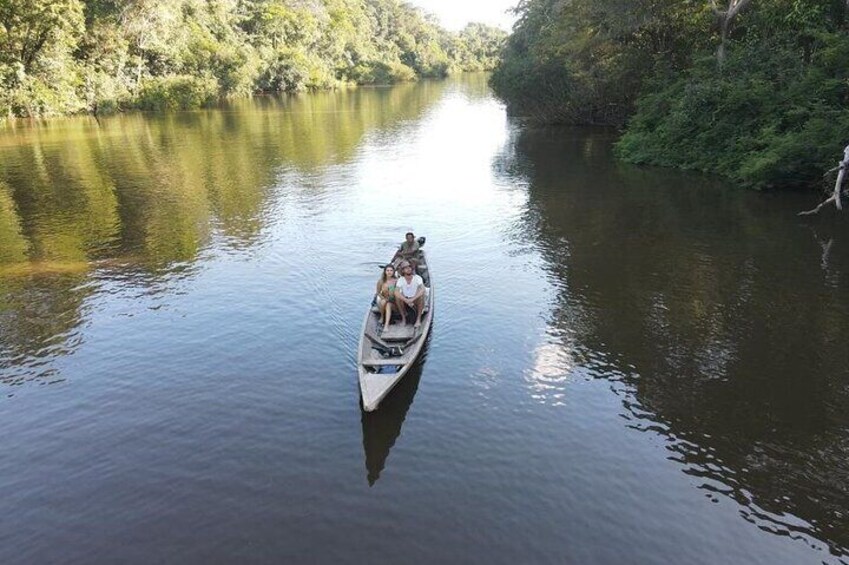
(838, 186)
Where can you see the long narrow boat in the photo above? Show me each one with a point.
(384, 358)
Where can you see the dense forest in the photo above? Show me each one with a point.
(754, 90)
(73, 56)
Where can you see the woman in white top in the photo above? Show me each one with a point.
(409, 292)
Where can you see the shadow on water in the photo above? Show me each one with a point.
(382, 427)
(724, 316)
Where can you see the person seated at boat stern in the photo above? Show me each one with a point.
(386, 294)
(408, 251)
(410, 292)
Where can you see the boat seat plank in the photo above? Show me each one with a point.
(380, 362)
(397, 332)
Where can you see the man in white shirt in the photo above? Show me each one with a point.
(410, 291)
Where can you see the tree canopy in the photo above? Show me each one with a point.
(752, 90)
(66, 56)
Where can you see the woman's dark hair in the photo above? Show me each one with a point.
(383, 274)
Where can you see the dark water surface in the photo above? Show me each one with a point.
(627, 365)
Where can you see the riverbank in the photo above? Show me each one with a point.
(99, 57)
(759, 101)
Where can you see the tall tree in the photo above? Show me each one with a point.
(29, 27)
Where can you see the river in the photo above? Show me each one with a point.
(627, 365)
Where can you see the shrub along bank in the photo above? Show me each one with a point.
(71, 56)
(764, 103)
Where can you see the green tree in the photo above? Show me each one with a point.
(585, 61)
(37, 38)
(775, 114)
(772, 113)
(65, 56)
(28, 28)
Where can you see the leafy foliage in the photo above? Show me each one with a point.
(771, 112)
(584, 61)
(478, 47)
(177, 92)
(65, 56)
(774, 115)
(769, 119)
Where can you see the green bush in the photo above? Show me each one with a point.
(70, 56)
(584, 61)
(177, 93)
(772, 117)
(379, 72)
(293, 71)
(33, 96)
(543, 90)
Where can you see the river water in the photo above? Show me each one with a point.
(627, 365)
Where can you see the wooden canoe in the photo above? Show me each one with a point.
(384, 358)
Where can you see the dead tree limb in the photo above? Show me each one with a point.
(816, 210)
(838, 186)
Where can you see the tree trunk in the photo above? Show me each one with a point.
(838, 185)
(725, 18)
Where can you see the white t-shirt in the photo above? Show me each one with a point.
(409, 289)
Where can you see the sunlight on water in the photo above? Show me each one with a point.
(627, 365)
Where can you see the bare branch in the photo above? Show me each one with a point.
(838, 186)
(816, 210)
(837, 168)
(828, 200)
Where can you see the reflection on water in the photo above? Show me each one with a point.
(37, 317)
(150, 192)
(726, 322)
(629, 365)
(382, 428)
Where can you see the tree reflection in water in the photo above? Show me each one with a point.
(135, 198)
(714, 308)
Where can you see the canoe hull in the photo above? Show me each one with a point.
(378, 375)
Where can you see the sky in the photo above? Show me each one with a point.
(454, 14)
